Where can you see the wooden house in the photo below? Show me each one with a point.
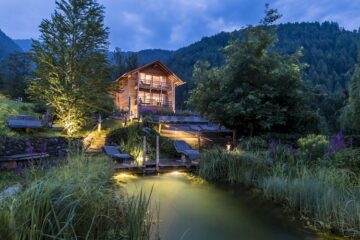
(150, 87)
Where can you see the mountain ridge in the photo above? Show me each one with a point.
(7, 45)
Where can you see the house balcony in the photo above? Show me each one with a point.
(155, 86)
(155, 103)
(155, 106)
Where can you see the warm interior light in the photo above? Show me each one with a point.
(175, 173)
(228, 146)
(121, 178)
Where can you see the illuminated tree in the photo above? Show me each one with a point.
(258, 90)
(72, 73)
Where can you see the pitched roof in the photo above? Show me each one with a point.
(156, 63)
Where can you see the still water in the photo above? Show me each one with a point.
(192, 209)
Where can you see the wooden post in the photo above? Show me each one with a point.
(157, 153)
(99, 123)
(199, 139)
(144, 150)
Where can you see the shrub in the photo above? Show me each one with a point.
(130, 140)
(282, 153)
(348, 158)
(313, 146)
(253, 144)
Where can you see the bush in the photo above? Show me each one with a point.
(348, 158)
(282, 153)
(313, 146)
(130, 140)
(253, 144)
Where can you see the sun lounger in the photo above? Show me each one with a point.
(115, 153)
(24, 121)
(186, 151)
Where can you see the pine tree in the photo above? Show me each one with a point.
(350, 118)
(72, 73)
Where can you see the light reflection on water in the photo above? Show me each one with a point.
(192, 209)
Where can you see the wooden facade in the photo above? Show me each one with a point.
(151, 86)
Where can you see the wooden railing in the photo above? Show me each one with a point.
(153, 102)
(156, 86)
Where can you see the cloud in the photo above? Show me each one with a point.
(345, 12)
(170, 24)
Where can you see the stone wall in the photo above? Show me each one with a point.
(53, 146)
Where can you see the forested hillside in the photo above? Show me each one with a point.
(7, 45)
(329, 50)
(24, 44)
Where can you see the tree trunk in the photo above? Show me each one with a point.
(234, 138)
(251, 130)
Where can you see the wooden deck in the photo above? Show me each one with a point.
(164, 166)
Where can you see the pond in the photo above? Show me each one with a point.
(192, 209)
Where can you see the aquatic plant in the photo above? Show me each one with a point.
(74, 201)
(328, 196)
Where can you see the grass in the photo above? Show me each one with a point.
(74, 201)
(8, 179)
(328, 197)
(10, 108)
(130, 140)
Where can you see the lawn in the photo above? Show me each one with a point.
(8, 178)
(10, 108)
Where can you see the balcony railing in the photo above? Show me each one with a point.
(155, 85)
(153, 102)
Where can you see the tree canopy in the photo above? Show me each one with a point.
(350, 117)
(258, 89)
(72, 73)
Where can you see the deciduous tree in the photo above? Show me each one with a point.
(72, 73)
(258, 89)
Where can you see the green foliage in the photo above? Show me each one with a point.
(351, 112)
(328, 197)
(138, 224)
(72, 72)
(9, 108)
(258, 90)
(313, 146)
(75, 201)
(222, 166)
(15, 69)
(123, 63)
(328, 49)
(253, 144)
(130, 140)
(348, 158)
(324, 196)
(7, 46)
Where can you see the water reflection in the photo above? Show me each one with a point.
(192, 209)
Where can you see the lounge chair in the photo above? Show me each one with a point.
(24, 121)
(115, 154)
(187, 153)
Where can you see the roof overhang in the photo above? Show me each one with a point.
(177, 80)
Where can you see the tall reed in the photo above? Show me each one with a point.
(328, 196)
(73, 201)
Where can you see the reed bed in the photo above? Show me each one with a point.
(75, 201)
(328, 197)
